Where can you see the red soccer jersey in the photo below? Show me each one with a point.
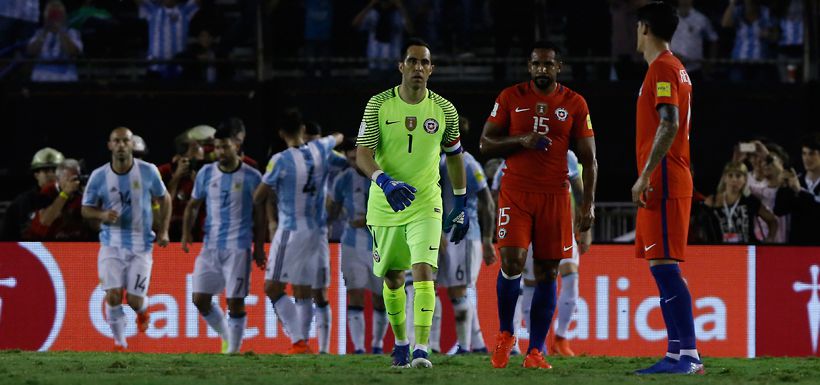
(562, 114)
(666, 82)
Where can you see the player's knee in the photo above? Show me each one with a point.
(274, 290)
(512, 266)
(457, 291)
(236, 306)
(394, 279)
(113, 297)
(135, 302)
(202, 303)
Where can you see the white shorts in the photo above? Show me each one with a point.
(460, 264)
(216, 270)
(528, 273)
(357, 269)
(300, 257)
(123, 268)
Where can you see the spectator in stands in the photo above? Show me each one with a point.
(140, 148)
(754, 31)
(318, 33)
(737, 210)
(238, 132)
(790, 45)
(687, 43)
(168, 23)
(426, 16)
(96, 26)
(61, 219)
(18, 21)
(800, 197)
(179, 176)
(511, 22)
(772, 167)
(199, 57)
(19, 213)
(628, 63)
(588, 22)
(54, 41)
(385, 22)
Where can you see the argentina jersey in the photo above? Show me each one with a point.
(351, 190)
(167, 27)
(228, 200)
(298, 176)
(476, 181)
(130, 195)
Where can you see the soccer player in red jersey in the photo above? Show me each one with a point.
(663, 191)
(531, 125)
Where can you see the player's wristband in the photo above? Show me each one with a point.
(155, 206)
(64, 195)
(375, 175)
(460, 191)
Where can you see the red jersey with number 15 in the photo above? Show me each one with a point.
(559, 115)
(666, 82)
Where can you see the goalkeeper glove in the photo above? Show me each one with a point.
(399, 194)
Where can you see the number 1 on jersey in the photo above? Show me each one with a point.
(409, 143)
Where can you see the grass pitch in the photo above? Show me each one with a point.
(30, 368)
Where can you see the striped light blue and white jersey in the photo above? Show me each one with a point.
(167, 27)
(749, 43)
(476, 181)
(52, 49)
(791, 25)
(228, 200)
(573, 167)
(28, 10)
(351, 190)
(130, 195)
(298, 176)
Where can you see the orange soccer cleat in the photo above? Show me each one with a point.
(142, 321)
(504, 343)
(560, 347)
(534, 359)
(300, 347)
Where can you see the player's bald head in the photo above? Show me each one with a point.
(120, 132)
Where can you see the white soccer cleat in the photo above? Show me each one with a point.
(420, 359)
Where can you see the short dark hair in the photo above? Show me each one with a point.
(233, 124)
(224, 133)
(811, 141)
(661, 18)
(313, 128)
(291, 121)
(545, 44)
(413, 41)
(348, 144)
(780, 153)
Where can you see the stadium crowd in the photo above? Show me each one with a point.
(203, 36)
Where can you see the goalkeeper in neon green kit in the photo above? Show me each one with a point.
(403, 132)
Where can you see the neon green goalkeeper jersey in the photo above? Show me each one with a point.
(407, 140)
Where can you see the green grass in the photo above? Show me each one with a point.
(31, 368)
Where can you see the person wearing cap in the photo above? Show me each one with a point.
(60, 216)
(140, 148)
(179, 176)
(19, 214)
